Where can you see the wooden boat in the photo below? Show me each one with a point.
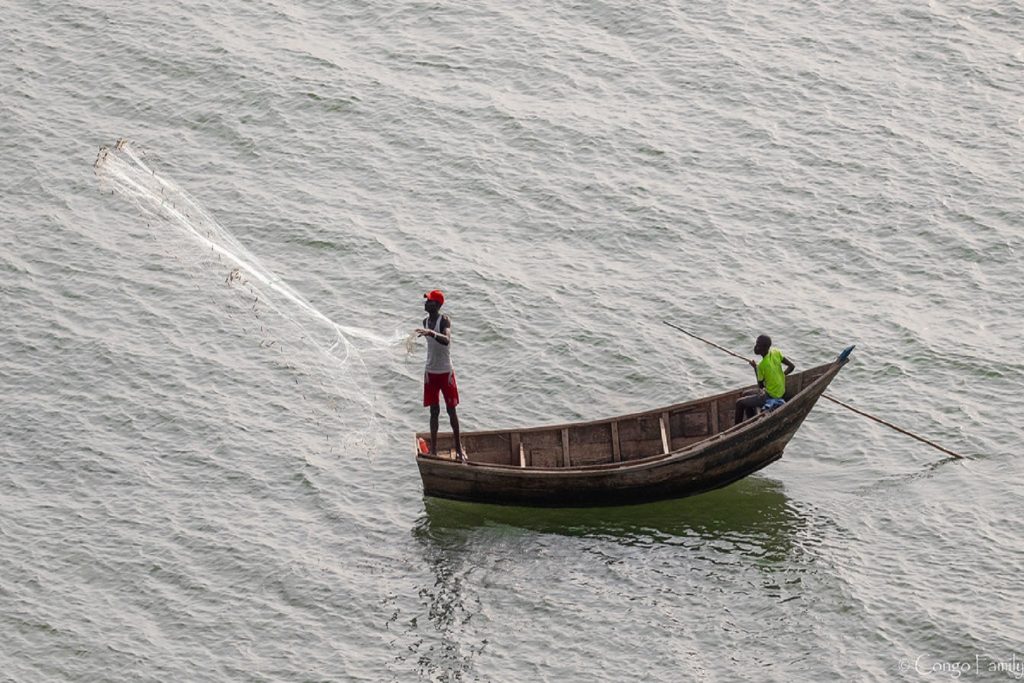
(670, 452)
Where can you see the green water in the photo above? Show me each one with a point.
(207, 475)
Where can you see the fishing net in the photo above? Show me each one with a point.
(326, 358)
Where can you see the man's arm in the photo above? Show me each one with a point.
(757, 374)
(789, 366)
(445, 337)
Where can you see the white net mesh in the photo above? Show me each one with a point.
(328, 356)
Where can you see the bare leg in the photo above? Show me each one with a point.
(454, 419)
(435, 411)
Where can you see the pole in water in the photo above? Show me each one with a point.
(834, 400)
(898, 429)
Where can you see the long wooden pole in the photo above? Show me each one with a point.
(898, 429)
(720, 348)
(834, 400)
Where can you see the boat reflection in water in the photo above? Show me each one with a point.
(753, 514)
(477, 553)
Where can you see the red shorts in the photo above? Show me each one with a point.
(444, 383)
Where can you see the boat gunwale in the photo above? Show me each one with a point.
(687, 452)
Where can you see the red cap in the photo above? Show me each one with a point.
(435, 295)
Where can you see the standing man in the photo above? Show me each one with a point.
(439, 377)
(771, 380)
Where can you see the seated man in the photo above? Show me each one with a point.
(771, 380)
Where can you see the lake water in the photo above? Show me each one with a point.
(206, 466)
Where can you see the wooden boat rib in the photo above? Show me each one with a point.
(670, 452)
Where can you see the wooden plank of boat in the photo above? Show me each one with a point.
(616, 447)
(668, 452)
(666, 442)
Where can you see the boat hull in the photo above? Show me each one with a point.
(717, 461)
